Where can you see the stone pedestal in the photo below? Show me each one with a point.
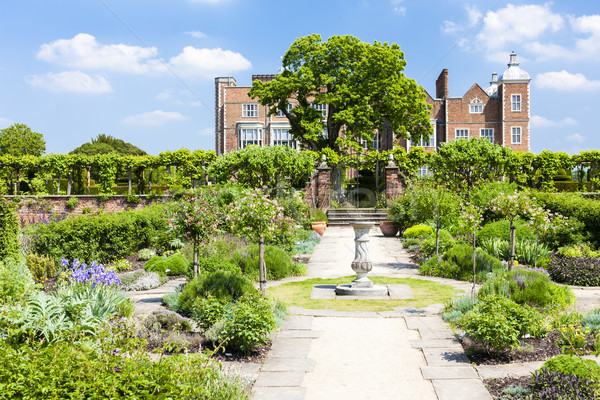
(362, 265)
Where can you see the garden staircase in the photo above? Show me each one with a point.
(344, 216)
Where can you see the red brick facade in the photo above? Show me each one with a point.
(500, 112)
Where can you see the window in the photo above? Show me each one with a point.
(249, 136)
(281, 114)
(377, 141)
(320, 107)
(515, 100)
(325, 133)
(476, 106)
(250, 110)
(282, 137)
(461, 133)
(516, 134)
(487, 133)
(424, 171)
(426, 143)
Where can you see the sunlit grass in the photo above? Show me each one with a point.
(425, 293)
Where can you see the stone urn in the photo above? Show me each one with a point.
(388, 228)
(361, 264)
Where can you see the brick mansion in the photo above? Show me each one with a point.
(499, 113)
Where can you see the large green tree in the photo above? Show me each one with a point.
(361, 84)
(105, 144)
(20, 140)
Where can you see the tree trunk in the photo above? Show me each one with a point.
(537, 240)
(69, 183)
(87, 180)
(262, 267)
(196, 258)
(150, 182)
(511, 249)
(129, 183)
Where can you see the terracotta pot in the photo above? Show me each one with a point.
(388, 228)
(319, 227)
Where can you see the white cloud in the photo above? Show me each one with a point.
(206, 132)
(83, 51)
(473, 18)
(576, 137)
(154, 118)
(565, 81)
(538, 121)
(515, 25)
(208, 62)
(5, 122)
(196, 34)
(397, 7)
(70, 81)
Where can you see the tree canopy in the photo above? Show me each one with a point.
(361, 84)
(20, 140)
(105, 144)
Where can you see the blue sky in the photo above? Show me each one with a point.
(143, 70)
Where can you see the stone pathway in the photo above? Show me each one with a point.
(400, 354)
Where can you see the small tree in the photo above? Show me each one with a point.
(20, 140)
(543, 221)
(257, 217)
(195, 220)
(470, 221)
(512, 206)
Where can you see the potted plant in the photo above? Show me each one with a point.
(388, 228)
(318, 220)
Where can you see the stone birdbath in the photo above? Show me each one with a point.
(362, 265)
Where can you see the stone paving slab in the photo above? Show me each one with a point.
(400, 291)
(431, 334)
(288, 365)
(395, 292)
(463, 389)
(426, 323)
(297, 322)
(514, 370)
(445, 357)
(276, 393)
(449, 373)
(279, 379)
(299, 333)
(242, 368)
(290, 348)
(436, 343)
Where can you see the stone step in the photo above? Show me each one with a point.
(344, 216)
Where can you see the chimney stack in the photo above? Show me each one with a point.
(441, 85)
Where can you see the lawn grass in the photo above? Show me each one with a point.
(425, 293)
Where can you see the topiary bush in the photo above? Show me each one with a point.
(526, 286)
(278, 262)
(9, 229)
(457, 263)
(501, 230)
(418, 232)
(578, 271)
(446, 242)
(175, 264)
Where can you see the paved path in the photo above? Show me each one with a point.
(402, 354)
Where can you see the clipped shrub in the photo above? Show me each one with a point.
(578, 271)
(501, 230)
(41, 267)
(457, 263)
(175, 264)
(498, 322)
(527, 286)
(208, 265)
(446, 242)
(9, 229)
(574, 365)
(557, 385)
(279, 264)
(418, 232)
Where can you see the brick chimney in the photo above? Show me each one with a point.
(441, 85)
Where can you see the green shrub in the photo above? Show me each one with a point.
(175, 264)
(418, 231)
(592, 320)
(457, 263)
(547, 385)
(249, 322)
(207, 311)
(578, 271)
(208, 265)
(317, 215)
(72, 203)
(501, 229)
(171, 300)
(223, 247)
(9, 229)
(103, 237)
(16, 282)
(578, 250)
(495, 247)
(530, 287)
(279, 264)
(498, 322)
(141, 280)
(146, 254)
(525, 251)
(446, 242)
(574, 365)
(42, 268)
(166, 320)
